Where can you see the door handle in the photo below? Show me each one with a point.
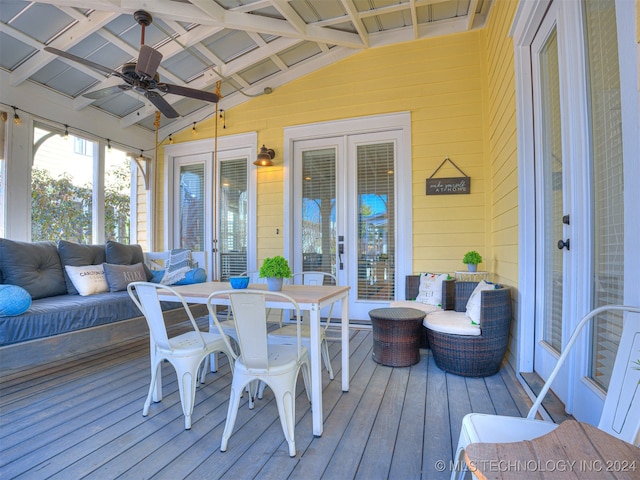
(563, 244)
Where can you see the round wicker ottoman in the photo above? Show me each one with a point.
(396, 336)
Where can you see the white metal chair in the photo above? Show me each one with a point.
(260, 361)
(285, 333)
(620, 414)
(186, 352)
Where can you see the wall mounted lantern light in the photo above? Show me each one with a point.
(265, 157)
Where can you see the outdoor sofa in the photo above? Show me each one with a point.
(59, 321)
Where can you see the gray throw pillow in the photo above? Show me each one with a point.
(34, 266)
(119, 276)
(121, 254)
(79, 255)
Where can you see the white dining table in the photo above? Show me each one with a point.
(310, 298)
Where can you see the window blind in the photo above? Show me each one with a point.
(376, 221)
(233, 221)
(607, 183)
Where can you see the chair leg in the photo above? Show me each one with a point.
(187, 379)
(154, 375)
(203, 369)
(232, 413)
(306, 378)
(327, 359)
(287, 411)
(460, 469)
(261, 388)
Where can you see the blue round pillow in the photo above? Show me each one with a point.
(195, 275)
(14, 300)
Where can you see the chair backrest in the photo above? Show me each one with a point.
(145, 296)
(314, 278)
(250, 315)
(254, 276)
(621, 412)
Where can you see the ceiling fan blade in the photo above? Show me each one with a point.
(105, 92)
(83, 61)
(188, 92)
(161, 104)
(148, 61)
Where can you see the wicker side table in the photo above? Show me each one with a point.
(396, 336)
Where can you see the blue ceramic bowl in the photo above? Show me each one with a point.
(239, 282)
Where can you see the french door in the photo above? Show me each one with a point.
(579, 195)
(212, 205)
(345, 215)
(553, 201)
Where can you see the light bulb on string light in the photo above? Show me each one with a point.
(66, 132)
(141, 157)
(16, 118)
(170, 140)
(193, 130)
(108, 145)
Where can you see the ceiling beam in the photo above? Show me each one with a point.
(354, 16)
(68, 39)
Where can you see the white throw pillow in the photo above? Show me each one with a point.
(474, 303)
(430, 289)
(88, 280)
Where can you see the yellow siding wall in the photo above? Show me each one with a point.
(502, 157)
(440, 82)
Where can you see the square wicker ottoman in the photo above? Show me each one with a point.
(396, 336)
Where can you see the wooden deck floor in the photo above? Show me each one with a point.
(83, 419)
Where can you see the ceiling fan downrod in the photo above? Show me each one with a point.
(144, 19)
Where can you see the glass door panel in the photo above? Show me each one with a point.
(233, 224)
(608, 188)
(318, 210)
(191, 207)
(376, 222)
(552, 191)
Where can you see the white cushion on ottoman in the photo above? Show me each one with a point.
(425, 307)
(448, 321)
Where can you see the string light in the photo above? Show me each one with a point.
(18, 121)
(16, 118)
(222, 116)
(141, 157)
(108, 145)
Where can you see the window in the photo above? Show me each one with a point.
(82, 146)
(63, 193)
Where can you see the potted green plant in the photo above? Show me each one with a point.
(274, 269)
(472, 259)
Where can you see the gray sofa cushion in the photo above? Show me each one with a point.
(33, 266)
(121, 254)
(79, 255)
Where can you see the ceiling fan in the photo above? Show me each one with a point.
(142, 76)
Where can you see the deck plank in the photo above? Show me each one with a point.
(82, 418)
